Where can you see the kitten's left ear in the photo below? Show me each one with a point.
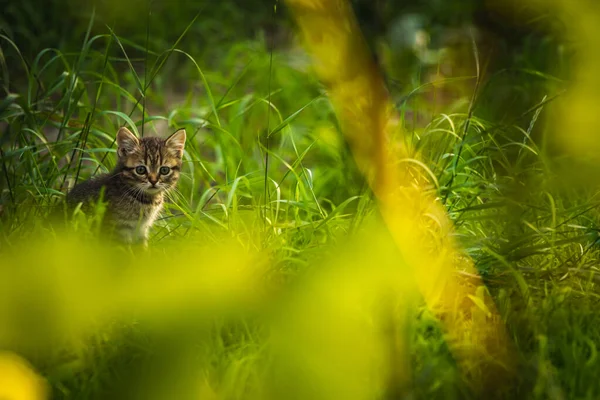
(176, 142)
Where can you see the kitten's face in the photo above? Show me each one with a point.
(151, 164)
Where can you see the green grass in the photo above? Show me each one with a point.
(533, 236)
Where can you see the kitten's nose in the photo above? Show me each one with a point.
(152, 179)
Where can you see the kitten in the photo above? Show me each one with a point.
(134, 190)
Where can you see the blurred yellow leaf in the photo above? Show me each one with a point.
(416, 220)
(18, 380)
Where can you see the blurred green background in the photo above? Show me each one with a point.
(267, 172)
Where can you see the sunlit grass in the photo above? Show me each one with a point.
(284, 282)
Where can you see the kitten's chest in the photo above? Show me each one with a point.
(132, 222)
(145, 213)
(149, 212)
(137, 212)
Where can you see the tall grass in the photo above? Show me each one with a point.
(266, 282)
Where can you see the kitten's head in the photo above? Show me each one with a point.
(150, 164)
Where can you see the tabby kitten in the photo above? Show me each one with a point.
(146, 168)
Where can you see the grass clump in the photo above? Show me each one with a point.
(268, 275)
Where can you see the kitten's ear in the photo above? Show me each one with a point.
(126, 142)
(176, 142)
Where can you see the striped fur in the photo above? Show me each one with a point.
(135, 189)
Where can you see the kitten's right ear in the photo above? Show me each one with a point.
(127, 142)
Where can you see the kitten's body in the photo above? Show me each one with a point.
(129, 215)
(134, 199)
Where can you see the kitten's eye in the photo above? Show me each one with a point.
(140, 170)
(164, 170)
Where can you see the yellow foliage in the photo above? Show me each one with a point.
(415, 219)
(18, 381)
(67, 287)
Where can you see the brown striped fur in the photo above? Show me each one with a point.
(135, 188)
